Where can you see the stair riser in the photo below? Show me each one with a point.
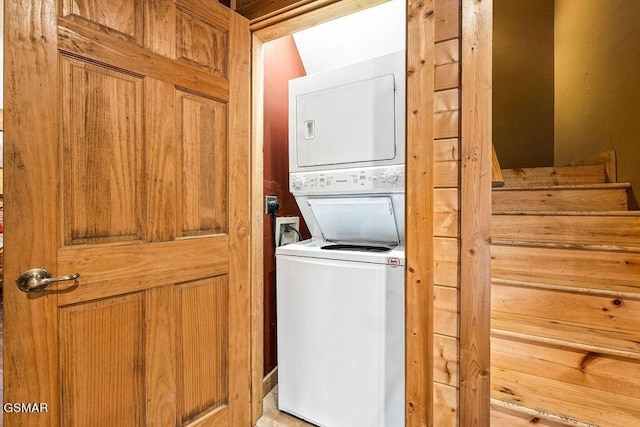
(580, 229)
(566, 175)
(561, 200)
(529, 263)
(614, 315)
(503, 417)
(584, 386)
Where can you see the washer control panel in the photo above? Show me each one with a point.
(390, 178)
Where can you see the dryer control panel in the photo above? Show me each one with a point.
(349, 181)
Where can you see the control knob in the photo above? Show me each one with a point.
(391, 177)
(296, 183)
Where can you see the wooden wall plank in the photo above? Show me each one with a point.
(447, 24)
(445, 150)
(419, 193)
(447, 72)
(446, 260)
(445, 311)
(445, 212)
(447, 113)
(475, 210)
(445, 406)
(445, 360)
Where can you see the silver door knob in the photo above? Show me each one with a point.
(38, 279)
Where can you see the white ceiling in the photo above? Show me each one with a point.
(354, 38)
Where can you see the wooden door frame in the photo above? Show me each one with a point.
(475, 201)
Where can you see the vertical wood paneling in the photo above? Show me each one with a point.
(239, 219)
(202, 132)
(160, 27)
(103, 346)
(102, 153)
(419, 219)
(160, 169)
(257, 227)
(202, 331)
(160, 350)
(475, 210)
(31, 94)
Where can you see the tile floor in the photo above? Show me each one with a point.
(272, 417)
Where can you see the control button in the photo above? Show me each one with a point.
(391, 177)
(297, 183)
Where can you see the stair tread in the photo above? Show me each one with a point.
(537, 414)
(574, 405)
(577, 286)
(566, 334)
(603, 186)
(567, 245)
(569, 213)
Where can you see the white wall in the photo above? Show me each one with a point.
(353, 38)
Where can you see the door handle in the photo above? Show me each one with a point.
(38, 279)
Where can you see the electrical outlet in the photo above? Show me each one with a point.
(281, 235)
(271, 205)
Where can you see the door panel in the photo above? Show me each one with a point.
(124, 177)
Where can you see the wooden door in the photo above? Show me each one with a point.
(127, 161)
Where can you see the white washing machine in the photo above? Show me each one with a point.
(340, 295)
(341, 335)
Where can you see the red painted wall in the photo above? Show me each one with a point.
(281, 63)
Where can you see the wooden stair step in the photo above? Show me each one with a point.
(596, 315)
(590, 228)
(609, 268)
(565, 398)
(506, 414)
(588, 197)
(563, 334)
(561, 175)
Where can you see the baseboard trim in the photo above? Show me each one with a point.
(270, 381)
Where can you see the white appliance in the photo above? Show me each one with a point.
(340, 295)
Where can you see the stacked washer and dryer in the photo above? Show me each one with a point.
(340, 295)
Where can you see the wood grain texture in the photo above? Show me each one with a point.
(446, 261)
(445, 311)
(593, 197)
(505, 415)
(445, 212)
(122, 18)
(201, 44)
(447, 72)
(447, 24)
(107, 342)
(616, 230)
(102, 154)
(30, 324)
(202, 331)
(447, 114)
(202, 158)
(160, 348)
(559, 175)
(239, 146)
(306, 16)
(445, 405)
(257, 227)
(445, 360)
(475, 211)
(419, 218)
(96, 350)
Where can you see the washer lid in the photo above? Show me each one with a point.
(356, 219)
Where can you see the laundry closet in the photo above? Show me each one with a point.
(334, 159)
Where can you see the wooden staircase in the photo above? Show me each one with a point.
(565, 342)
